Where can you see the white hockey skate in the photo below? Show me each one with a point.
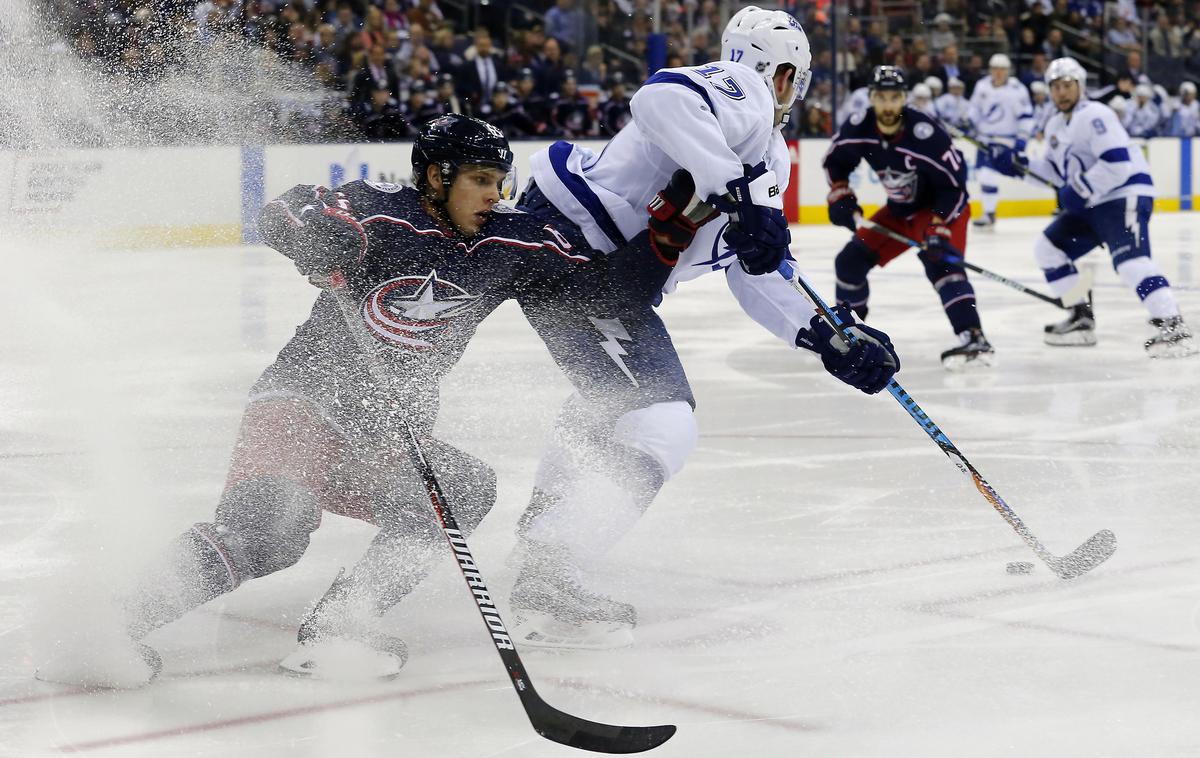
(339, 642)
(1173, 339)
(1078, 329)
(973, 352)
(551, 609)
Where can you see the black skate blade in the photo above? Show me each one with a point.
(575, 732)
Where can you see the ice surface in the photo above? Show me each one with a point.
(819, 581)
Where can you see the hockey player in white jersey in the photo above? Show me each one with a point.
(1185, 121)
(630, 426)
(856, 102)
(953, 108)
(1107, 195)
(1043, 107)
(921, 99)
(1143, 116)
(1002, 116)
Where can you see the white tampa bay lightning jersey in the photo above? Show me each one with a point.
(1093, 153)
(856, 102)
(709, 120)
(1185, 122)
(1142, 120)
(952, 109)
(1041, 114)
(1003, 112)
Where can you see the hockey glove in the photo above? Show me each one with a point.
(843, 206)
(937, 242)
(763, 253)
(757, 188)
(1070, 200)
(675, 216)
(1010, 161)
(315, 227)
(867, 366)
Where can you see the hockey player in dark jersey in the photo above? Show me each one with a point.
(425, 266)
(926, 184)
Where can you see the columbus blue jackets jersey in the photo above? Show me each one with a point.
(918, 166)
(422, 289)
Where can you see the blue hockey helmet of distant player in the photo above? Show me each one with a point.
(887, 78)
(454, 140)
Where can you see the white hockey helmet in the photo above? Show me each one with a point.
(765, 40)
(956, 83)
(921, 91)
(1038, 87)
(999, 60)
(1144, 90)
(1118, 104)
(1187, 87)
(934, 84)
(1066, 68)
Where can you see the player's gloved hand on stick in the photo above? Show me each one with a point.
(843, 206)
(331, 237)
(764, 252)
(675, 216)
(868, 366)
(1010, 161)
(937, 241)
(1070, 198)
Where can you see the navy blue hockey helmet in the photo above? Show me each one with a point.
(887, 78)
(455, 140)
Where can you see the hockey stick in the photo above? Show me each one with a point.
(987, 148)
(1076, 294)
(1084, 558)
(546, 720)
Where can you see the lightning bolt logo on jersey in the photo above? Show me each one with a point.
(613, 330)
(406, 311)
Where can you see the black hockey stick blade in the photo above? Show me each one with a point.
(575, 732)
(1086, 557)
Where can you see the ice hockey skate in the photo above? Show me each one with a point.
(986, 222)
(1078, 329)
(1173, 339)
(119, 664)
(973, 352)
(552, 609)
(337, 641)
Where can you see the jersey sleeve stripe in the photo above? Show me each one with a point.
(671, 77)
(1115, 155)
(558, 153)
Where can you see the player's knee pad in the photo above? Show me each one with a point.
(1141, 274)
(666, 432)
(1047, 256)
(263, 525)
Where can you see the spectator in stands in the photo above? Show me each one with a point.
(506, 114)
(973, 71)
(1035, 71)
(533, 102)
(549, 69)
(414, 108)
(1185, 122)
(570, 25)
(1133, 64)
(922, 69)
(616, 112)
(947, 66)
(483, 70)
(1123, 88)
(594, 70)
(393, 16)
(875, 44)
(447, 98)
(378, 73)
(570, 114)
(1165, 40)
(942, 35)
(446, 55)
(380, 118)
(1053, 47)
(426, 13)
(1121, 35)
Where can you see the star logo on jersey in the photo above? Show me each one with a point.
(900, 186)
(410, 311)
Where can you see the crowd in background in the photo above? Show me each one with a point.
(380, 69)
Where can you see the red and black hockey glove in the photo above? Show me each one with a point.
(937, 241)
(843, 205)
(675, 216)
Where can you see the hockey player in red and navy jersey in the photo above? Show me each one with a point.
(425, 265)
(925, 179)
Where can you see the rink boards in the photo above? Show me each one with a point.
(182, 196)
